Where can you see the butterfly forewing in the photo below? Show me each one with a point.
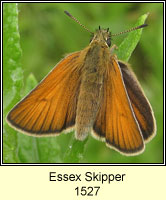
(51, 106)
(116, 120)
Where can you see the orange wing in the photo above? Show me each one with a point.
(140, 104)
(51, 106)
(116, 122)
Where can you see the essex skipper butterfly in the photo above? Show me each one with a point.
(90, 91)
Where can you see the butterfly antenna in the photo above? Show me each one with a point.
(68, 14)
(132, 29)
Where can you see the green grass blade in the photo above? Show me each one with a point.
(130, 42)
(12, 77)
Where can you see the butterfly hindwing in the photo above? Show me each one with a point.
(140, 104)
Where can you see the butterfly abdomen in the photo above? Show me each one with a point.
(91, 92)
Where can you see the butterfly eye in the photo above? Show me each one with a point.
(108, 41)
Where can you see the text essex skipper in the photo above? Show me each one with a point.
(90, 91)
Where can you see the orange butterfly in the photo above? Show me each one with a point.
(89, 91)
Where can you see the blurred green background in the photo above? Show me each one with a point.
(47, 34)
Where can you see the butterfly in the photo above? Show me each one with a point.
(89, 91)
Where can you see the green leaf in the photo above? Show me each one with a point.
(12, 76)
(130, 42)
(75, 150)
(31, 82)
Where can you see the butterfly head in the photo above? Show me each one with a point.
(102, 37)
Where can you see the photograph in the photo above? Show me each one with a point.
(83, 83)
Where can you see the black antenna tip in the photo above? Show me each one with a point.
(67, 13)
(143, 25)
